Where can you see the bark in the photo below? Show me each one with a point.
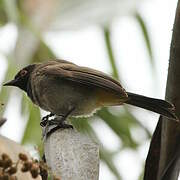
(72, 155)
(152, 160)
(167, 145)
(171, 130)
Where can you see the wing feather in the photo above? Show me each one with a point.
(83, 75)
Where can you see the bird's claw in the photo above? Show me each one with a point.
(45, 120)
(59, 126)
(52, 126)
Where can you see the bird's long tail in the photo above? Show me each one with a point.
(156, 105)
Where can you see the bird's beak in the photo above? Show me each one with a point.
(11, 83)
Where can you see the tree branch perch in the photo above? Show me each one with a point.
(72, 155)
(163, 161)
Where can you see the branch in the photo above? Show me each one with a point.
(170, 133)
(152, 160)
(163, 157)
(72, 155)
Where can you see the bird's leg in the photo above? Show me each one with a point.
(61, 121)
(58, 122)
(45, 119)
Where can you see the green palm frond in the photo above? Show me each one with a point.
(146, 36)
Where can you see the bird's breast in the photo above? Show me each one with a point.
(59, 96)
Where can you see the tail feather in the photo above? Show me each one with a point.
(156, 105)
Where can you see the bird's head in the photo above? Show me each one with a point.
(21, 78)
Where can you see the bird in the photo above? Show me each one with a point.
(69, 90)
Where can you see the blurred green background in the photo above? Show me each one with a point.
(36, 23)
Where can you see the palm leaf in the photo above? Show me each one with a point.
(107, 39)
(121, 125)
(5, 92)
(145, 35)
(32, 133)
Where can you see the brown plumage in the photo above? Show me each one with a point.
(58, 86)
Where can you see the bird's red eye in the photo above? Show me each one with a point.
(23, 72)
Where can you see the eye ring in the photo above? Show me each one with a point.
(23, 72)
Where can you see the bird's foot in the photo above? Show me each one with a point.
(60, 125)
(51, 126)
(45, 119)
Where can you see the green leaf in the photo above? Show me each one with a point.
(121, 125)
(32, 134)
(107, 39)
(3, 15)
(107, 158)
(5, 92)
(24, 105)
(11, 10)
(146, 36)
(43, 52)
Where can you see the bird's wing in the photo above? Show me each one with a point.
(84, 75)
